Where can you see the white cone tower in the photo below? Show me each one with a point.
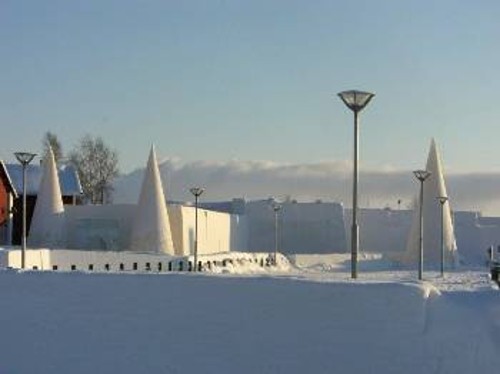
(151, 226)
(48, 217)
(434, 186)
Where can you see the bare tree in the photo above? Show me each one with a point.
(50, 139)
(97, 166)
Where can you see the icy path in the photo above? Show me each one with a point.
(295, 323)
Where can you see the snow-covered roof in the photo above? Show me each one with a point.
(68, 178)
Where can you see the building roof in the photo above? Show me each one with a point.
(68, 178)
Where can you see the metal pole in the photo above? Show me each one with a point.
(23, 249)
(355, 227)
(442, 200)
(421, 238)
(195, 233)
(275, 236)
(442, 238)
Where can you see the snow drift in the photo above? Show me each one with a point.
(81, 323)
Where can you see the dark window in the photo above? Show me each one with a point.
(91, 267)
(122, 267)
(181, 265)
(134, 266)
(106, 266)
(54, 267)
(159, 266)
(35, 267)
(73, 267)
(170, 266)
(148, 266)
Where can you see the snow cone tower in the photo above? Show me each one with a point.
(434, 187)
(151, 226)
(48, 217)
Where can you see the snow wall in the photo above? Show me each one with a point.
(79, 323)
(380, 230)
(108, 227)
(316, 227)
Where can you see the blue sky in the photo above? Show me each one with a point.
(254, 80)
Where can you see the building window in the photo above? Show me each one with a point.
(91, 267)
(106, 266)
(122, 267)
(160, 266)
(54, 267)
(181, 265)
(148, 266)
(134, 266)
(170, 266)
(35, 267)
(73, 267)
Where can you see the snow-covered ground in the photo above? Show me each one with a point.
(308, 318)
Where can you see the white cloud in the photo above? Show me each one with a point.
(322, 180)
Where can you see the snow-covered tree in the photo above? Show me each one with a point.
(97, 166)
(50, 140)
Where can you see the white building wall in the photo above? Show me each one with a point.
(214, 231)
(108, 227)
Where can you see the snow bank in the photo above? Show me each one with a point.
(172, 323)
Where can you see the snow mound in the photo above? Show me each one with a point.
(201, 323)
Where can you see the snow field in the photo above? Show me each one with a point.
(199, 323)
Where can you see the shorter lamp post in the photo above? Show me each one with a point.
(196, 191)
(442, 201)
(421, 175)
(276, 208)
(24, 158)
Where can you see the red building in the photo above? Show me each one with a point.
(11, 190)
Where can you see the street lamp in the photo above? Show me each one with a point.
(421, 175)
(24, 158)
(442, 201)
(196, 191)
(356, 101)
(276, 208)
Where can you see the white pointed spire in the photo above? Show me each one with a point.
(48, 217)
(151, 227)
(434, 187)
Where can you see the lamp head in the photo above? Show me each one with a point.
(422, 175)
(196, 191)
(24, 157)
(442, 199)
(356, 100)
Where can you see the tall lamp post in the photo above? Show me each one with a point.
(421, 175)
(356, 101)
(442, 200)
(196, 191)
(24, 158)
(276, 208)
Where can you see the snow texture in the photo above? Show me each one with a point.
(48, 217)
(197, 323)
(151, 228)
(434, 187)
